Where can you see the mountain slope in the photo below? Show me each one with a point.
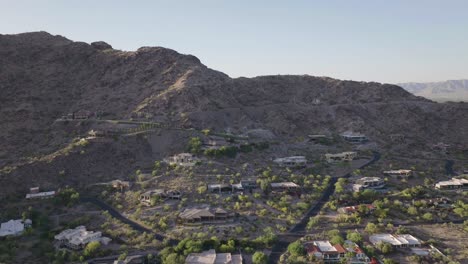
(43, 77)
(452, 90)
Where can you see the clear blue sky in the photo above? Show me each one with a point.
(370, 40)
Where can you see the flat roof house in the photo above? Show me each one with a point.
(338, 157)
(454, 183)
(211, 257)
(400, 173)
(368, 183)
(354, 137)
(35, 194)
(182, 159)
(294, 161)
(14, 227)
(79, 237)
(147, 196)
(403, 240)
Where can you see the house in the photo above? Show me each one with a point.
(398, 173)
(220, 188)
(284, 186)
(368, 183)
(173, 194)
(192, 215)
(353, 209)
(182, 159)
(35, 194)
(79, 237)
(215, 142)
(403, 240)
(325, 251)
(454, 183)
(211, 257)
(146, 197)
(359, 256)
(248, 184)
(355, 138)
(294, 161)
(339, 157)
(14, 227)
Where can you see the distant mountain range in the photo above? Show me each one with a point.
(452, 90)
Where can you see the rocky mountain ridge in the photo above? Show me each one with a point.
(43, 77)
(451, 90)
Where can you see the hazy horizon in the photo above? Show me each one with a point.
(397, 42)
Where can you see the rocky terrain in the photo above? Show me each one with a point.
(43, 77)
(452, 90)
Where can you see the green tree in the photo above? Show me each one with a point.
(92, 249)
(354, 236)
(371, 228)
(194, 145)
(296, 249)
(259, 258)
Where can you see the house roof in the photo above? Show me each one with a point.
(339, 248)
(195, 213)
(284, 185)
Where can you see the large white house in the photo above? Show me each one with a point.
(454, 183)
(403, 240)
(79, 237)
(211, 257)
(14, 227)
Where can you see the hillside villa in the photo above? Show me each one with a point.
(14, 227)
(354, 137)
(34, 193)
(368, 183)
(339, 157)
(294, 161)
(182, 159)
(402, 240)
(79, 237)
(398, 173)
(211, 257)
(454, 183)
(191, 215)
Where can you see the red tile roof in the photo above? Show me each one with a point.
(340, 248)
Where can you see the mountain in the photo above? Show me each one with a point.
(452, 90)
(44, 77)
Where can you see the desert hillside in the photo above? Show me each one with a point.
(44, 77)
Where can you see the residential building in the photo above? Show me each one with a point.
(319, 138)
(339, 157)
(294, 161)
(121, 185)
(211, 257)
(14, 227)
(354, 137)
(398, 173)
(146, 197)
(79, 237)
(220, 188)
(35, 194)
(454, 183)
(248, 184)
(368, 183)
(182, 159)
(325, 251)
(284, 186)
(353, 209)
(359, 256)
(403, 240)
(191, 215)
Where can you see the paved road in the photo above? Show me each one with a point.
(300, 228)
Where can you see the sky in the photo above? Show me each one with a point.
(364, 40)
